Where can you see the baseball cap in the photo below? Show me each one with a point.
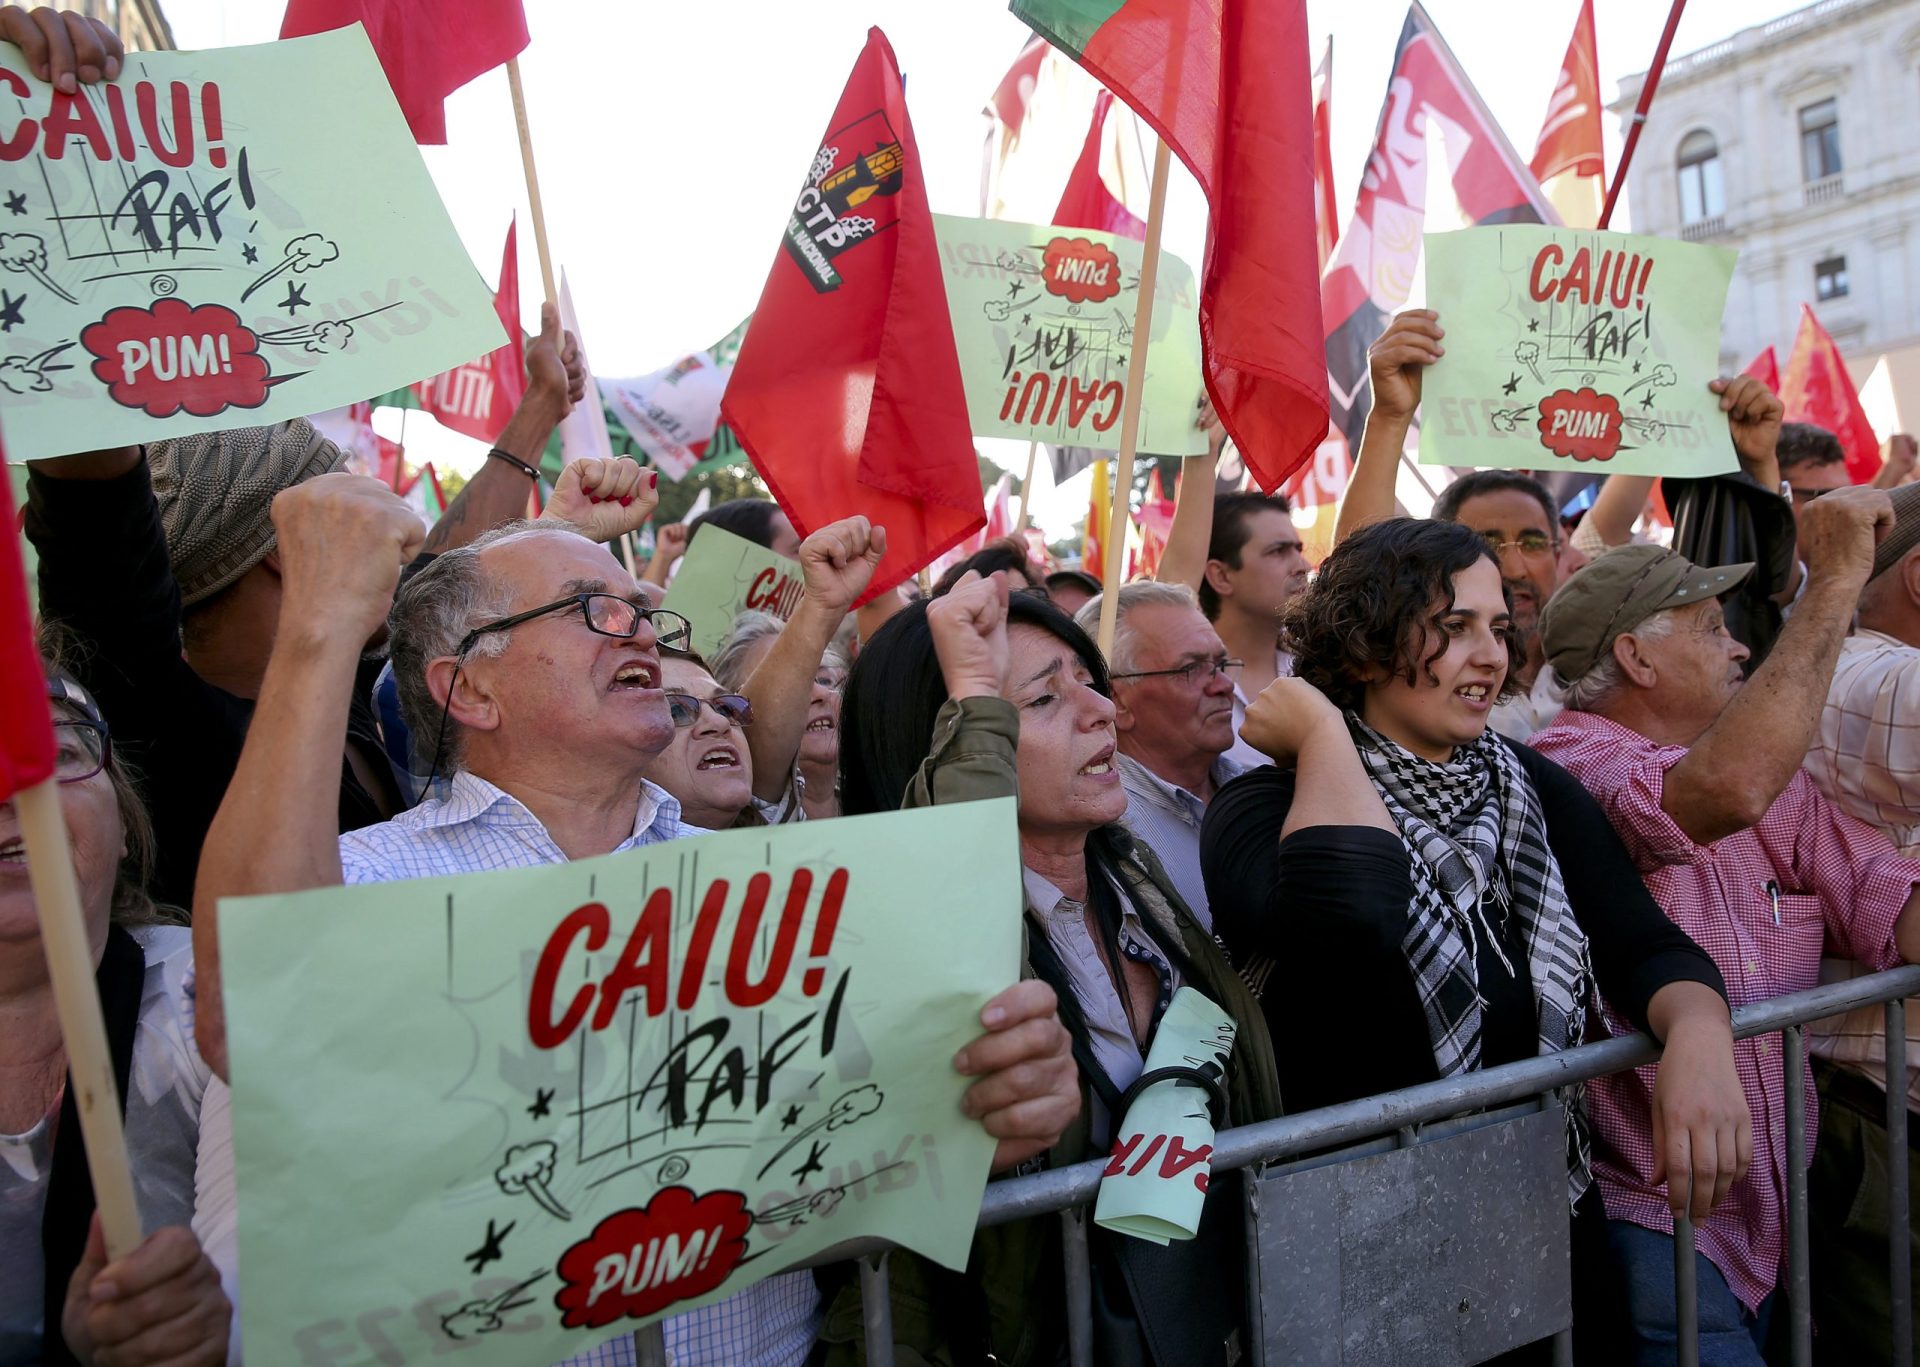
(1615, 594)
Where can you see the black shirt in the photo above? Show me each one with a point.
(105, 577)
(1330, 905)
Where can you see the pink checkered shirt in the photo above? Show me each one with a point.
(1841, 885)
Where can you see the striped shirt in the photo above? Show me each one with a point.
(1166, 819)
(473, 826)
(1763, 902)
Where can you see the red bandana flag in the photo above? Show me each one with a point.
(26, 732)
(847, 394)
(1226, 84)
(478, 398)
(428, 48)
(1817, 389)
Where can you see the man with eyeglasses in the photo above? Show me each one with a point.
(529, 663)
(1173, 714)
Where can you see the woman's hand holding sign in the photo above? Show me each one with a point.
(60, 46)
(1029, 1087)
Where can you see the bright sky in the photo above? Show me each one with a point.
(671, 138)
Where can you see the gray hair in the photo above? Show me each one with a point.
(1139, 594)
(731, 661)
(432, 614)
(1594, 690)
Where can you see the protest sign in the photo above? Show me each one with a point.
(1043, 320)
(723, 575)
(1575, 350)
(219, 239)
(514, 1114)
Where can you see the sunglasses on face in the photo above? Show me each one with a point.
(731, 708)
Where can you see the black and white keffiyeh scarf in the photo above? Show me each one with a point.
(1477, 840)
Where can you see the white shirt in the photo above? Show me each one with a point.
(1518, 717)
(1166, 819)
(1243, 754)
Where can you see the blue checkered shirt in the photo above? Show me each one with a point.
(471, 826)
(1166, 818)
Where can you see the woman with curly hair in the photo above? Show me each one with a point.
(1523, 903)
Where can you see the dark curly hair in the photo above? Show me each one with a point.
(1373, 603)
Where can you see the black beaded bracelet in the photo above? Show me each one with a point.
(516, 463)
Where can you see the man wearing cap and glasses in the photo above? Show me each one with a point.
(1700, 775)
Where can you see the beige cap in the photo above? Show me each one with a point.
(1615, 594)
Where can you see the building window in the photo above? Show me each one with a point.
(1702, 196)
(1830, 278)
(1820, 141)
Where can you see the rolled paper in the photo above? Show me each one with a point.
(1156, 1178)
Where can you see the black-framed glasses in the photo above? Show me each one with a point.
(606, 613)
(731, 708)
(1212, 668)
(1527, 543)
(80, 750)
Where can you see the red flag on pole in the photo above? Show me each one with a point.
(1326, 207)
(478, 398)
(1087, 202)
(1568, 160)
(847, 393)
(1225, 83)
(26, 733)
(1765, 368)
(1817, 389)
(428, 48)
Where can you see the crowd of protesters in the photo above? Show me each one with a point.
(1457, 798)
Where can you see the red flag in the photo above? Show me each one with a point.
(26, 731)
(1008, 103)
(428, 48)
(1087, 202)
(1156, 525)
(1326, 207)
(1817, 389)
(1225, 84)
(1765, 368)
(478, 398)
(847, 392)
(1569, 150)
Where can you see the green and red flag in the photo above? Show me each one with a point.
(847, 393)
(1226, 84)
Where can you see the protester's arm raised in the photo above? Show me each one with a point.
(1396, 364)
(1732, 774)
(836, 565)
(556, 380)
(1184, 560)
(1296, 726)
(603, 497)
(669, 544)
(342, 542)
(1618, 505)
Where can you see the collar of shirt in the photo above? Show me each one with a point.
(470, 797)
(1143, 783)
(1282, 668)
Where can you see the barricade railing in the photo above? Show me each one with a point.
(1067, 1192)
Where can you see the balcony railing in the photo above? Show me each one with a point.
(1703, 228)
(1825, 190)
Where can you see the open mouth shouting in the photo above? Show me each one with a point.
(718, 757)
(635, 674)
(1101, 766)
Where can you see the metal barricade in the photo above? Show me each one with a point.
(1069, 1192)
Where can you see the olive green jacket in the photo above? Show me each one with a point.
(1010, 1302)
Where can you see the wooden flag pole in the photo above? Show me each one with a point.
(1121, 505)
(1026, 491)
(533, 182)
(76, 997)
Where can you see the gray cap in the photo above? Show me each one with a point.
(1615, 594)
(216, 496)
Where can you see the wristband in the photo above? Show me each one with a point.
(516, 463)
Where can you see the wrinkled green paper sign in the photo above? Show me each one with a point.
(1575, 350)
(1043, 320)
(723, 575)
(217, 239)
(516, 1114)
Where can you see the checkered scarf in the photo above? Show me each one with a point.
(1477, 840)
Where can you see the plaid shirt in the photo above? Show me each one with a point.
(473, 825)
(1840, 884)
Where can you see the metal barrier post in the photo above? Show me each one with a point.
(1799, 1283)
(876, 1310)
(1686, 1293)
(1899, 1213)
(1079, 1276)
(650, 1346)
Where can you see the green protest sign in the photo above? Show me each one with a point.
(1043, 321)
(1575, 350)
(516, 1114)
(723, 575)
(219, 239)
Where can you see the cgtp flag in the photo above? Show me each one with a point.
(478, 398)
(1817, 389)
(428, 48)
(26, 727)
(847, 393)
(1568, 160)
(1326, 207)
(1225, 84)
